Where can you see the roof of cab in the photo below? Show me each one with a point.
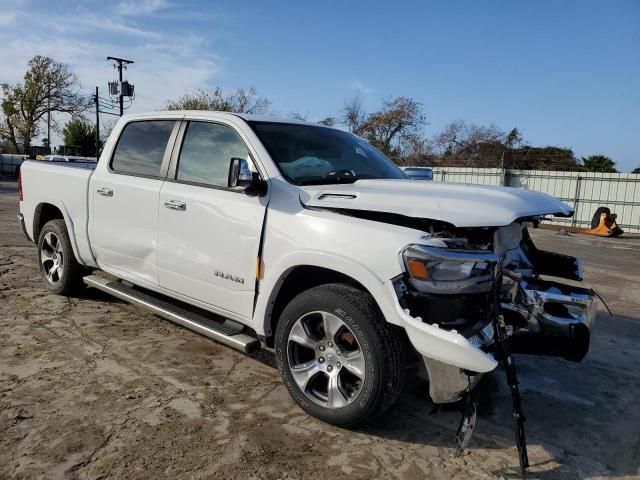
(208, 113)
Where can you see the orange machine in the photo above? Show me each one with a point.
(603, 224)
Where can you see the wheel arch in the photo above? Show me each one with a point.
(300, 276)
(47, 211)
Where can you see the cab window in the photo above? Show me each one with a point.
(206, 152)
(141, 147)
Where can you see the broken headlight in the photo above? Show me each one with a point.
(447, 271)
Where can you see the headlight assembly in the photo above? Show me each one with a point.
(447, 271)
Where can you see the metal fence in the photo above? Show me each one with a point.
(584, 191)
(9, 164)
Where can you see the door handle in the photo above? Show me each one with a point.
(175, 204)
(107, 192)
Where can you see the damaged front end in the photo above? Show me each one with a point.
(462, 280)
(544, 316)
(490, 286)
(452, 289)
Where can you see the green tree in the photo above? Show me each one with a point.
(599, 163)
(81, 133)
(240, 101)
(48, 87)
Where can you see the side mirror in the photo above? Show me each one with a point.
(242, 178)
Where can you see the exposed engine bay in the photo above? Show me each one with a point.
(490, 285)
(465, 277)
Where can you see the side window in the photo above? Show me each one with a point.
(206, 152)
(141, 147)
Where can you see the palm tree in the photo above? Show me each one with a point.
(599, 163)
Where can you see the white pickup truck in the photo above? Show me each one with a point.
(305, 239)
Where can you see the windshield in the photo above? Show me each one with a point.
(314, 155)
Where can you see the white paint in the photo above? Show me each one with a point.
(459, 204)
(177, 252)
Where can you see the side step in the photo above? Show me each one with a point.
(224, 331)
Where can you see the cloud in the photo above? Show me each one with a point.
(90, 23)
(167, 63)
(358, 85)
(140, 7)
(6, 18)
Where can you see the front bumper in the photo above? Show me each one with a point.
(556, 307)
(550, 318)
(453, 362)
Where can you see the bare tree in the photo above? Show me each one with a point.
(459, 138)
(304, 117)
(248, 101)
(353, 113)
(301, 117)
(399, 119)
(328, 121)
(48, 87)
(240, 101)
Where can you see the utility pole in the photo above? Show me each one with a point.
(49, 116)
(97, 102)
(120, 62)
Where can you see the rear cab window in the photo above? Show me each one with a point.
(141, 148)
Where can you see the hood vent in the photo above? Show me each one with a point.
(337, 196)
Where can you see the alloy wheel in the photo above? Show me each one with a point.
(326, 359)
(52, 258)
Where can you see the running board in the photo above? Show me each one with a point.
(225, 331)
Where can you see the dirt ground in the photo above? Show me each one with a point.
(94, 388)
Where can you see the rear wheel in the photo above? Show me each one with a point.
(340, 360)
(61, 272)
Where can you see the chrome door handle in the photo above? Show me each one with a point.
(175, 204)
(107, 192)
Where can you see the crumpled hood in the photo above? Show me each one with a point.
(459, 204)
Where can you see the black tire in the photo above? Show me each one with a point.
(379, 341)
(67, 280)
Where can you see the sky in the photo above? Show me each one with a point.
(566, 73)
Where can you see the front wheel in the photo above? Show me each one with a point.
(341, 361)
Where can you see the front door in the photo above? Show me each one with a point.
(208, 234)
(124, 197)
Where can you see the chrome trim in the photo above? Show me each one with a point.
(174, 204)
(538, 295)
(242, 342)
(105, 192)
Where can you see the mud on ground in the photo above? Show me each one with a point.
(94, 388)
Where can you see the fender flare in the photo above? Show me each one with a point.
(278, 273)
(67, 220)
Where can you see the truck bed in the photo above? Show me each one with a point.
(62, 185)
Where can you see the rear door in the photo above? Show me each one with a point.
(125, 192)
(209, 235)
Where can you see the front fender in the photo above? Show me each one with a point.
(277, 274)
(442, 345)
